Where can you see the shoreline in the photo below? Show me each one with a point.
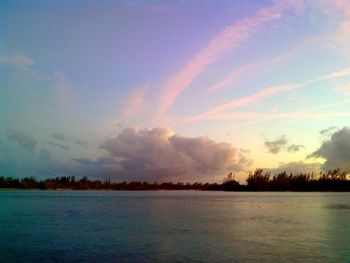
(257, 181)
(171, 190)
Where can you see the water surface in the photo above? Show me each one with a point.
(173, 226)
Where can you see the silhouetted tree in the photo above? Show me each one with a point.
(333, 180)
(258, 181)
(230, 184)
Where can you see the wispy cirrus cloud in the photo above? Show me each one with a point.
(16, 59)
(310, 113)
(62, 138)
(27, 68)
(343, 90)
(134, 103)
(25, 141)
(59, 136)
(228, 39)
(62, 88)
(257, 117)
(23, 64)
(101, 161)
(59, 145)
(333, 75)
(242, 102)
(263, 94)
(338, 11)
(239, 74)
(82, 143)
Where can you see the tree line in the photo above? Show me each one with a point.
(258, 180)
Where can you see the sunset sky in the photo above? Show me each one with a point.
(173, 90)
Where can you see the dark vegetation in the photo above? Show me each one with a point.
(334, 180)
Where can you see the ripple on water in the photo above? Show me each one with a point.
(338, 206)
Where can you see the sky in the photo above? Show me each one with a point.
(173, 90)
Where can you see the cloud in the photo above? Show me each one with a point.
(134, 102)
(295, 148)
(63, 89)
(59, 145)
(231, 37)
(263, 94)
(252, 69)
(63, 138)
(297, 167)
(333, 75)
(245, 72)
(276, 146)
(336, 150)
(159, 153)
(101, 161)
(45, 155)
(58, 136)
(343, 90)
(81, 143)
(254, 98)
(307, 113)
(16, 59)
(243, 161)
(25, 141)
(339, 13)
(328, 131)
(262, 117)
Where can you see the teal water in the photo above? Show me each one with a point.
(179, 226)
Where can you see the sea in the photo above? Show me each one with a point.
(174, 226)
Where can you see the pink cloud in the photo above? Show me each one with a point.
(225, 116)
(339, 13)
(262, 94)
(228, 39)
(258, 96)
(310, 113)
(344, 90)
(242, 102)
(334, 75)
(134, 102)
(264, 65)
(257, 117)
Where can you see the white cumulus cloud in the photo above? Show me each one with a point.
(161, 154)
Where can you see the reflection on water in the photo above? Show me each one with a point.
(163, 226)
(338, 206)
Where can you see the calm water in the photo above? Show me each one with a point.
(164, 226)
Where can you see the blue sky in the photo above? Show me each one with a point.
(125, 89)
